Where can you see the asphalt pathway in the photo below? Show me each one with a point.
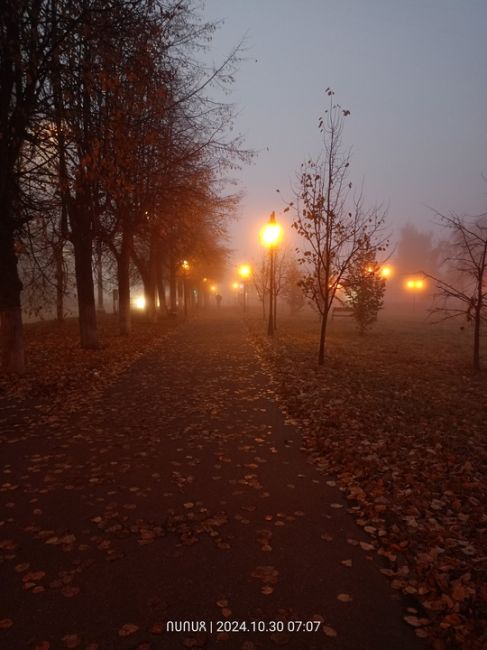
(178, 511)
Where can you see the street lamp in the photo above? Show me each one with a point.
(270, 237)
(236, 287)
(244, 271)
(185, 267)
(415, 285)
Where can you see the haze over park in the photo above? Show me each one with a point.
(243, 324)
(411, 73)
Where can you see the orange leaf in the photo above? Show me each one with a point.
(128, 629)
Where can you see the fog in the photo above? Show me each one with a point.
(413, 76)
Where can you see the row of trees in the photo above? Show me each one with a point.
(112, 153)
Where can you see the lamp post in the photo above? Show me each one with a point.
(185, 266)
(236, 287)
(244, 272)
(271, 235)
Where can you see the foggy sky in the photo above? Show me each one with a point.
(413, 73)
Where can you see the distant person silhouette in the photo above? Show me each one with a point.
(218, 300)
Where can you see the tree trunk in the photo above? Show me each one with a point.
(85, 287)
(99, 276)
(60, 281)
(476, 336)
(12, 342)
(185, 288)
(270, 326)
(13, 360)
(275, 309)
(172, 287)
(161, 290)
(123, 261)
(180, 293)
(150, 281)
(150, 298)
(321, 353)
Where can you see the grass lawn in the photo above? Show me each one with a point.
(399, 420)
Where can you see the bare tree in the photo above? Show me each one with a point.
(333, 224)
(260, 277)
(467, 257)
(280, 270)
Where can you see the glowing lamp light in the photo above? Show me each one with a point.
(271, 235)
(213, 288)
(139, 302)
(235, 286)
(185, 265)
(244, 271)
(386, 272)
(415, 285)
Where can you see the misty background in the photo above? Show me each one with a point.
(413, 75)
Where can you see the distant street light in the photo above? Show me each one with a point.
(385, 272)
(139, 303)
(415, 285)
(244, 271)
(270, 237)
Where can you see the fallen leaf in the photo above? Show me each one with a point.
(127, 629)
(414, 621)
(344, 598)
(20, 568)
(71, 640)
(33, 576)
(6, 623)
(329, 631)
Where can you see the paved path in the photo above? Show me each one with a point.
(183, 496)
